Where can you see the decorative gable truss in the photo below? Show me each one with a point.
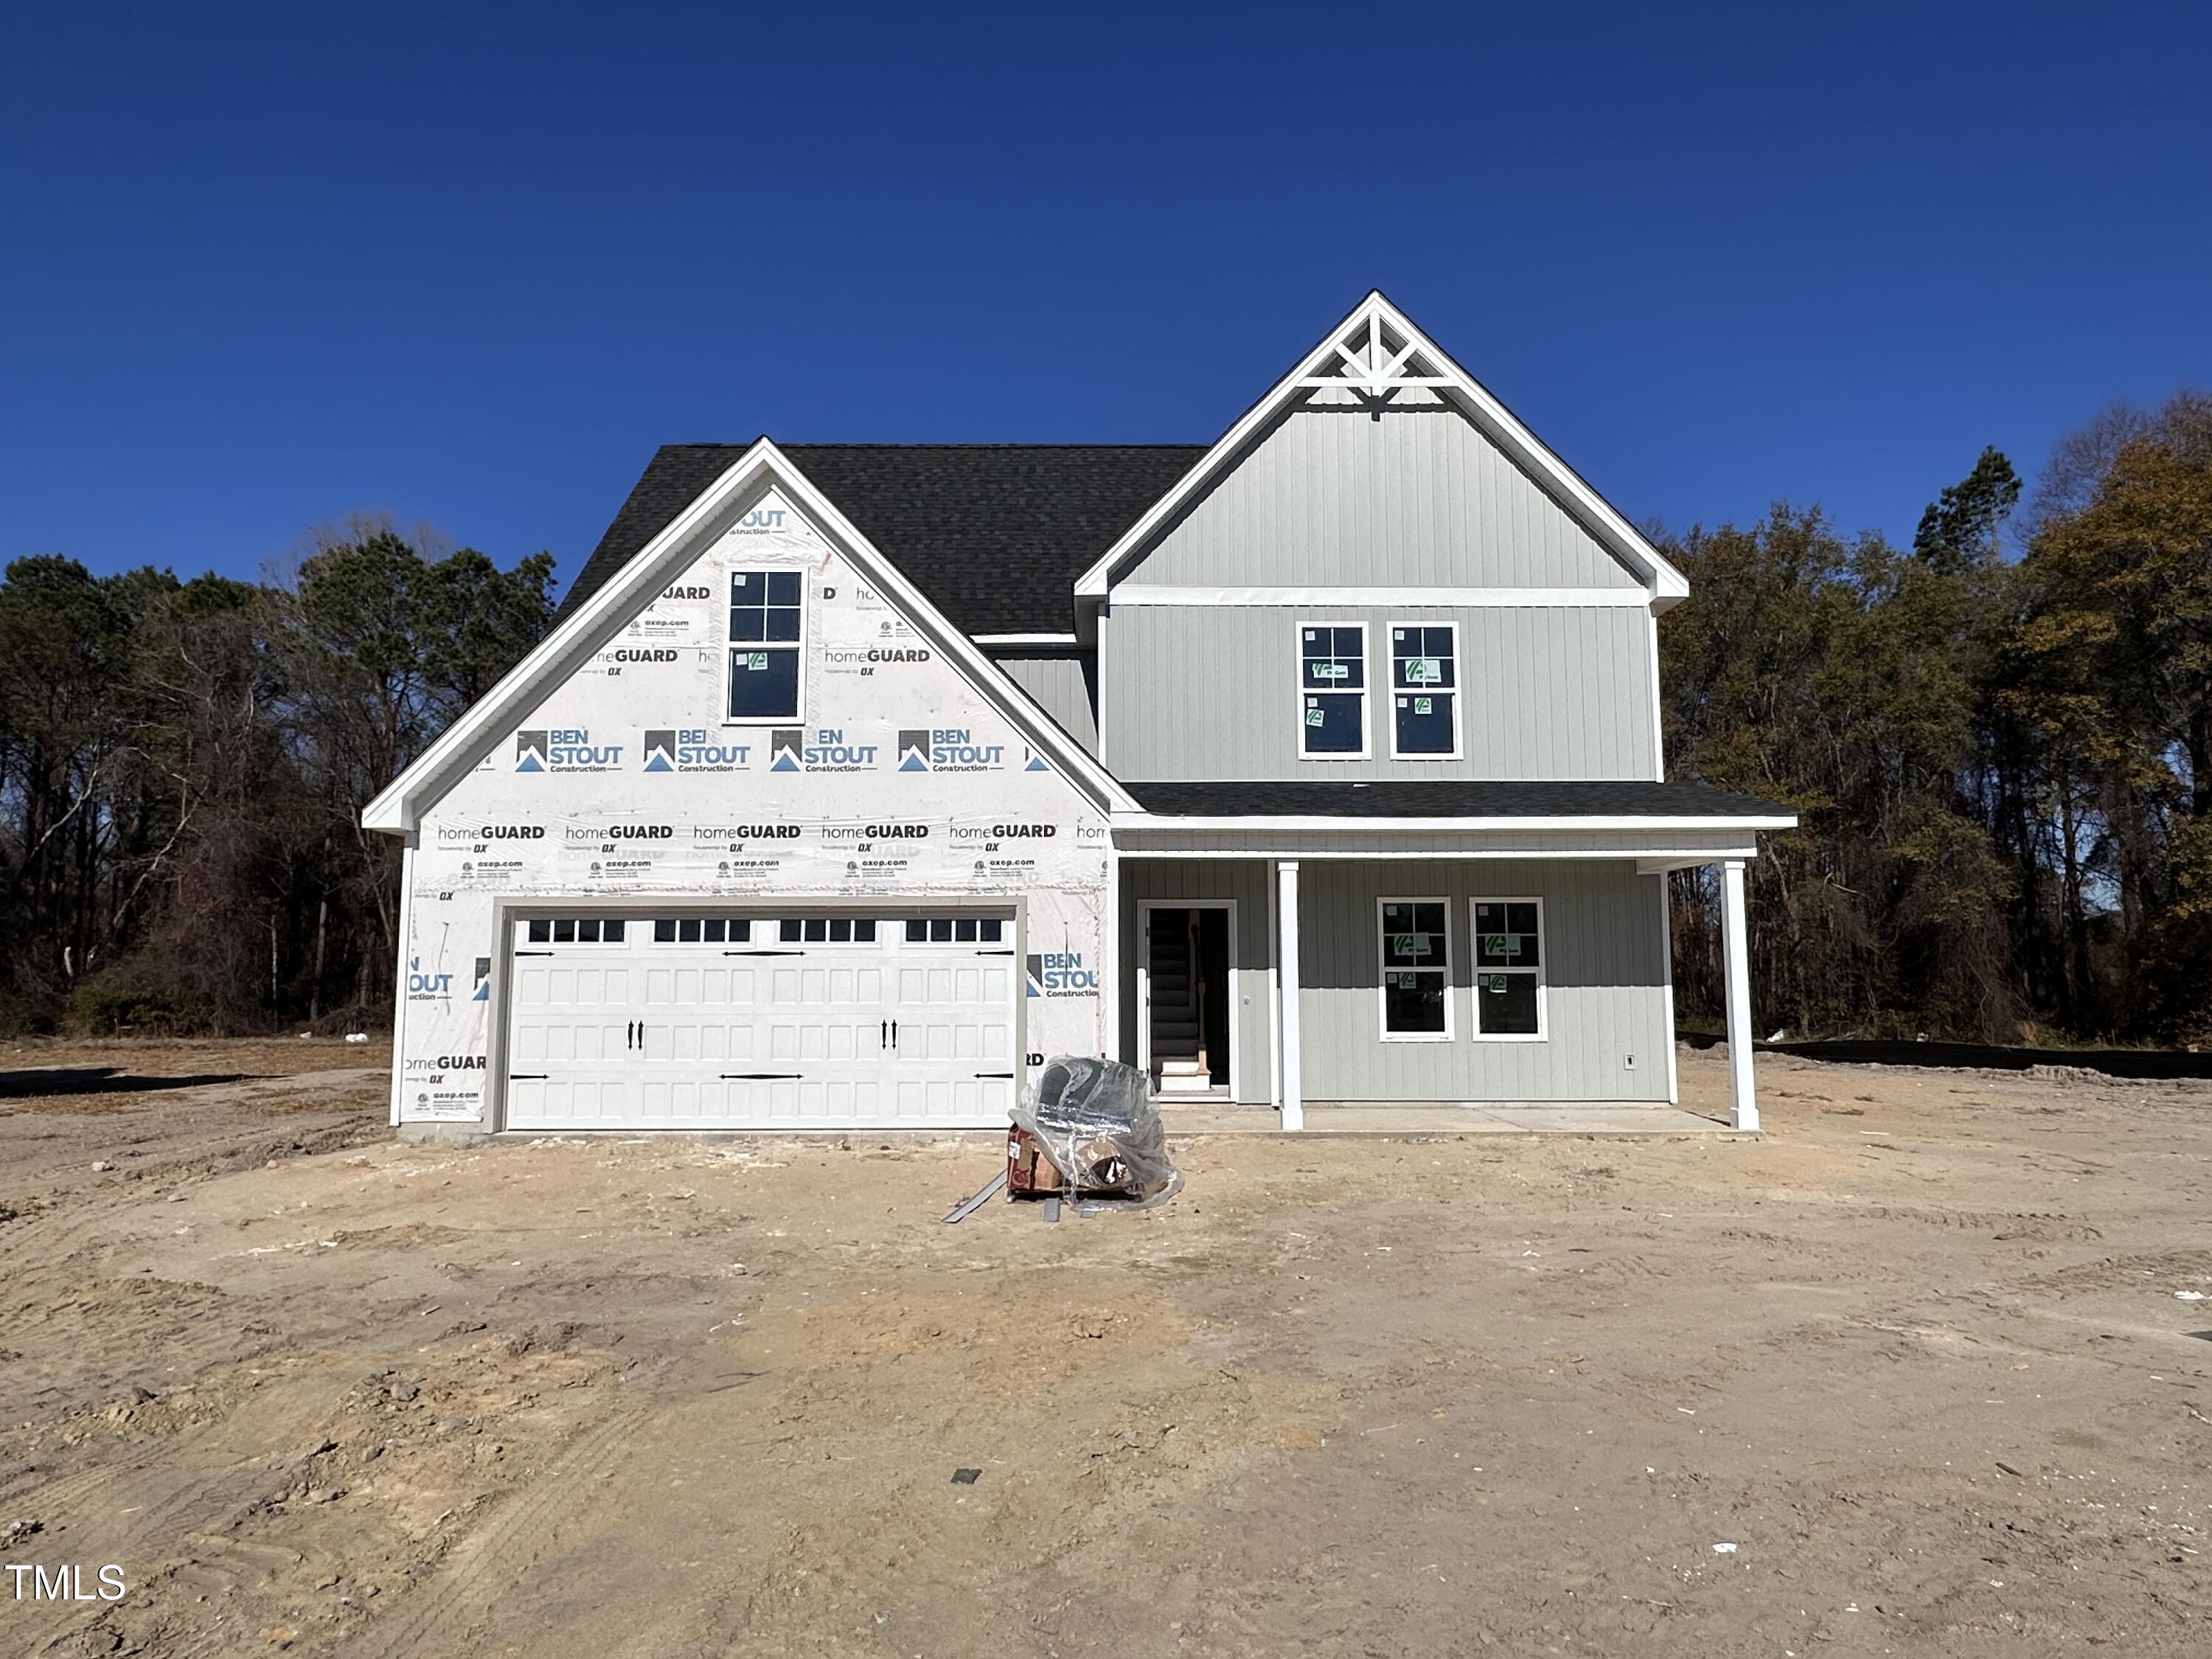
(1379, 370)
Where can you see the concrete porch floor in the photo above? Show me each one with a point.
(1630, 1118)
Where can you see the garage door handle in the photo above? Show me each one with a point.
(895, 1033)
(883, 1034)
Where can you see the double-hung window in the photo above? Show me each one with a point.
(1333, 690)
(1424, 690)
(768, 635)
(1416, 953)
(1509, 968)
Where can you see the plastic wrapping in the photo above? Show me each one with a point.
(1097, 1122)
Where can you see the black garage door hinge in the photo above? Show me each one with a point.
(763, 953)
(1009, 1076)
(533, 953)
(762, 1077)
(994, 953)
(529, 1077)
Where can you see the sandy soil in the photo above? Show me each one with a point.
(1931, 1357)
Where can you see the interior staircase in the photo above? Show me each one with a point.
(1178, 1006)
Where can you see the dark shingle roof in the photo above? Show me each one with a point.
(994, 534)
(1677, 798)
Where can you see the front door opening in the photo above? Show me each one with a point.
(1186, 964)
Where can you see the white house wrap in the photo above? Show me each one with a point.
(900, 796)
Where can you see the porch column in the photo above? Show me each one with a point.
(1286, 959)
(1735, 943)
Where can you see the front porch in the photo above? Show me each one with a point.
(1423, 972)
(1632, 1120)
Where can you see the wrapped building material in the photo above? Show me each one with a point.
(1095, 1120)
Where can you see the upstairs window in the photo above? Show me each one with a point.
(1424, 690)
(1509, 968)
(767, 634)
(1333, 690)
(1416, 971)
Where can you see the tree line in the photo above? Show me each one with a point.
(2002, 765)
(1999, 742)
(183, 767)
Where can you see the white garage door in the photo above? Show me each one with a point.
(789, 1020)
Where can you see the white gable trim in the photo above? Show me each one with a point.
(1140, 821)
(400, 808)
(1664, 585)
(1138, 593)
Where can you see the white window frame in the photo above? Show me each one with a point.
(1458, 692)
(1382, 967)
(1475, 970)
(1366, 751)
(730, 646)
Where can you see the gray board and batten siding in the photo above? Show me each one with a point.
(1546, 692)
(1605, 977)
(1058, 682)
(1335, 496)
(1605, 970)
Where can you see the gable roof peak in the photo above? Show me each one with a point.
(1372, 356)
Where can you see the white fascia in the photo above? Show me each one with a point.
(1144, 821)
(1145, 594)
(1665, 585)
(400, 807)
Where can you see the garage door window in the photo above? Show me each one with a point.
(827, 930)
(954, 930)
(575, 930)
(767, 626)
(701, 930)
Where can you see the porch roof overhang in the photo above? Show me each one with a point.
(1662, 825)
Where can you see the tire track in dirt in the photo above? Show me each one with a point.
(447, 1611)
(55, 1232)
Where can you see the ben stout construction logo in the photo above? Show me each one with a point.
(428, 985)
(694, 749)
(1060, 973)
(823, 749)
(564, 748)
(948, 749)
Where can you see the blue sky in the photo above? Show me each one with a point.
(260, 270)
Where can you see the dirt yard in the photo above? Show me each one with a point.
(1922, 1371)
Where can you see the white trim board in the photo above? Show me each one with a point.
(1320, 853)
(1663, 585)
(1138, 593)
(1357, 825)
(761, 468)
(1023, 639)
